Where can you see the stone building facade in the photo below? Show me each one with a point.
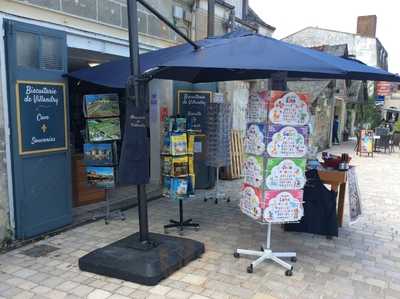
(340, 97)
(96, 31)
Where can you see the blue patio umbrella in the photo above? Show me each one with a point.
(240, 55)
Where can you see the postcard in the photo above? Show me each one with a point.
(98, 154)
(104, 129)
(101, 177)
(101, 105)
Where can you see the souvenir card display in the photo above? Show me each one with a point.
(274, 166)
(177, 160)
(285, 174)
(253, 167)
(251, 201)
(101, 177)
(219, 126)
(99, 154)
(255, 139)
(287, 142)
(103, 132)
(101, 105)
(257, 111)
(289, 108)
(283, 206)
(104, 129)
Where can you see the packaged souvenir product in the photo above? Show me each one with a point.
(250, 202)
(178, 144)
(285, 174)
(191, 165)
(166, 144)
(283, 206)
(179, 187)
(289, 108)
(287, 142)
(166, 185)
(253, 167)
(254, 142)
(180, 166)
(191, 184)
(190, 143)
(180, 124)
(166, 165)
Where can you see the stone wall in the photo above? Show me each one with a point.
(4, 209)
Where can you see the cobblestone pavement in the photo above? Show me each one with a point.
(364, 262)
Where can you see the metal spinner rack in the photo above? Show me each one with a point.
(267, 254)
(108, 214)
(218, 192)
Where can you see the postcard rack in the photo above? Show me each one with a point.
(178, 168)
(103, 130)
(276, 145)
(108, 214)
(219, 126)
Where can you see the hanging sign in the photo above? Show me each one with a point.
(41, 117)
(285, 206)
(287, 142)
(193, 106)
(289, 109)
(285, 174)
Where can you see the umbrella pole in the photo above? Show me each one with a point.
(134, 93)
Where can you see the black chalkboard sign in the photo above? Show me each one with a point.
(193, 105)
(41, 117)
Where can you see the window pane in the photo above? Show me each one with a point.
(51, 54)
(27, 50)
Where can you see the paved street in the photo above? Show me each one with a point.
(364, 262)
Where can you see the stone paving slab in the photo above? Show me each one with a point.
(364, 262)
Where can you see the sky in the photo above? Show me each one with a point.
(289, 16)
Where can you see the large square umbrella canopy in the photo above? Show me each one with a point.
(240, 55)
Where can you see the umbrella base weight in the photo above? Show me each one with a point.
(126, 259)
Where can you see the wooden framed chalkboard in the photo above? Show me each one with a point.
(41, 117)
(193, 105)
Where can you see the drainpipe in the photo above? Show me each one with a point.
(245, 9)
(211, 18)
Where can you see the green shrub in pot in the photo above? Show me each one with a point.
(397, 126)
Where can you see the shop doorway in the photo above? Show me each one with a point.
(89, 201)
(38, 111)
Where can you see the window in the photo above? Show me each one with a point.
(39, 52)
(51, 53)
(27, 49)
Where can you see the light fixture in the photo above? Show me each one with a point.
(93, 64)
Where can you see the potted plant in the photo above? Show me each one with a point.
(396, 133)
